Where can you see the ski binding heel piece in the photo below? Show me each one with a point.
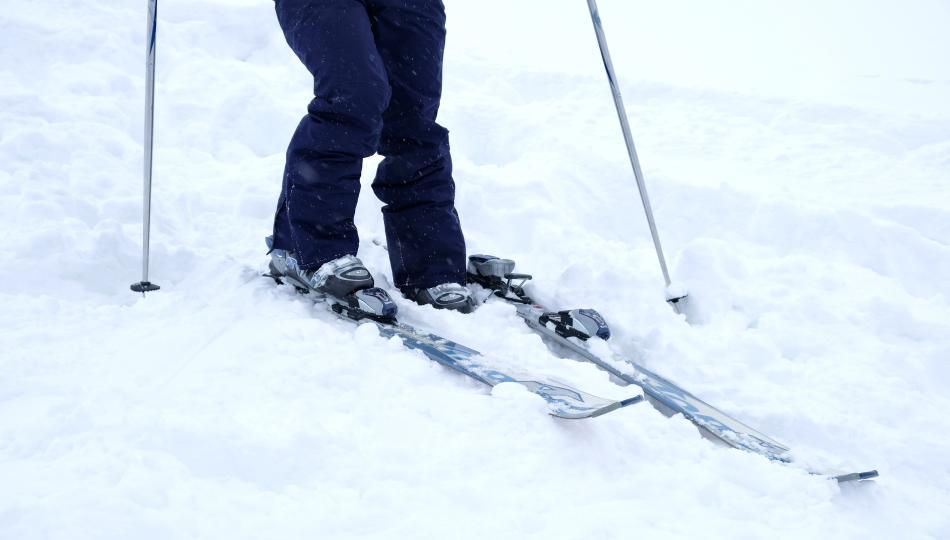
(496, 274)
(490, 266)
(580, 323)
(372, 303)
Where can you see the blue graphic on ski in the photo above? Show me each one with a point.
(563, 401)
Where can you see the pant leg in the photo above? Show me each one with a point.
(334, 40)
(426, 246)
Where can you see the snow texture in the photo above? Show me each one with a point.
(798, 157)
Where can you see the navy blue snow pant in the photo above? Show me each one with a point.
(377, 82)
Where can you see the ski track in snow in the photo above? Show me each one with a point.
(801, 192)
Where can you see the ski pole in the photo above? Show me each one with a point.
(673, 299)
(152, 31)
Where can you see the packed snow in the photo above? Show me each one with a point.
(798, 159)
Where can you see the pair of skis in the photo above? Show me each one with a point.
(568, 331)
(563, 401)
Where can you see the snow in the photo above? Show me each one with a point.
(798, 158)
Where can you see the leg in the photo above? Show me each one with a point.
(334, 40)
(426, 246)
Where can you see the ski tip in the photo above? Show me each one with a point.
(613, 406)
(572, 413)
(591, 411)
(631, 401)
(605, 409)
(857, 477)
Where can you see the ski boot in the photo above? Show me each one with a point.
(446, 296)
(497, 275)
(345, 281)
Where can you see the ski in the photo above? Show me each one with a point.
(569, 330)
(562, 400)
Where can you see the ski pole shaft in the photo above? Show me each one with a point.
(149, 131)
(151, 29)
(627, 137)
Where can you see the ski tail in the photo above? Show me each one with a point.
(856, 476)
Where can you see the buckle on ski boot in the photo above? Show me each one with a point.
(580, 323)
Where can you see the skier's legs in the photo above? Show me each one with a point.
(334, 40)
(426, 246)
